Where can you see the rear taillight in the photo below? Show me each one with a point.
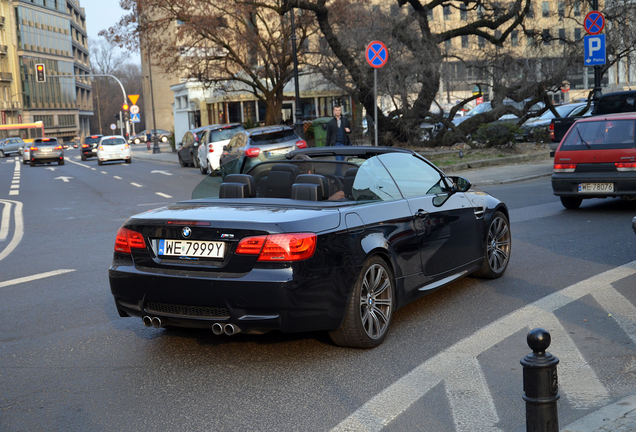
(210, 148)
(33, 148)
(551, 129)
(301, 144)
(560, 167)
(84, 145)
(101, 148)
(252, 152)
(279, 247)
(59, 147)
(126, 146)
(127, 239)
(625, 166)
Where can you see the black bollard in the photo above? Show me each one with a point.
(540, 384)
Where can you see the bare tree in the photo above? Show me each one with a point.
(228, 45)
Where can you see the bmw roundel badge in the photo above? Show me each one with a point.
(186, 232)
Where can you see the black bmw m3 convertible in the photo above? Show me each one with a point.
(331, 238)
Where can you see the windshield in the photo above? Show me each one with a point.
(481, 108)
(225, 134)
(601, 134)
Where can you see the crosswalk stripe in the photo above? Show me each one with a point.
(386, 406)
(623, 312)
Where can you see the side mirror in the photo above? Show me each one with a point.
(460, 184)
(225, 148)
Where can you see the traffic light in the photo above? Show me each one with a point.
(125, 107)
(117, 117)
(40, 73)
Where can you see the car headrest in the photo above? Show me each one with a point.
(245, 179)
(347, 184)
(321, 181)
(280, 180)
(306, 191)
(234, 190)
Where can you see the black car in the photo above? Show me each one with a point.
(46, 150)
(89, 148)
(249, 147)
(274, 252)
(188, 147)
(142, 137)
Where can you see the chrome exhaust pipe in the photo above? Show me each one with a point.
(147, 321)
(217, 329)
(231, 329)
(156, 322)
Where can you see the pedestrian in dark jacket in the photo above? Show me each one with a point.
(338, 129)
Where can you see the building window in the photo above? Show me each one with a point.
(429, 15)
(529, 38)
(514, 38)
(545, 9)
(531, 10)
(448, 44)
(561, 9)
(577, 34)
(480, 12)
(463, 12)
(481, 42)
(47, 120)
(577, 8)
(66, 120)
(561, 36)
(545, 35)
(447, 13)
(464, 41)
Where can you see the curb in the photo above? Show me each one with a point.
(509, 160)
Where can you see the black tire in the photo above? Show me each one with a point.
(61, 162)
(195, 160)
(128, 160)
(181, 162)
(25, 162)
(571, 203)
(99, 162)
(371, 304)
(83, 158)
(498, 248)
(32, 163)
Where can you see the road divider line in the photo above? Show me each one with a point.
(163, 195)
(117, 177)
(387, 405)
(18, 230)
(5, 221)
(619, 308)
(80, 164)
(34, 277)
(136, 185)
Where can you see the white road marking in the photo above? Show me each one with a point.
(163, 195)
(14, 186)
(386, 406)
(18, 227)
(104, 172)
(80, 164)
(50, 168)
(5, 221)
(161, 172)
(136, 185)
(15, 180)
(64, 179)
(620, 309)
(14, 192)
(34, 277)
(117, 177)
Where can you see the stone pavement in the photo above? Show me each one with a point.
(617, 417)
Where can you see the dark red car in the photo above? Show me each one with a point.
(596, 159)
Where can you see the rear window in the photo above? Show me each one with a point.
(615, 104)
(113, 141)
(274, 137)
(92, 140)
(601, 134)
(225, 133)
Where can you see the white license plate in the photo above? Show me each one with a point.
(94, 150)
(280, 152)
(46, 149)
(596, 187)
(191, 248)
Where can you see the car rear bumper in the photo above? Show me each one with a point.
(88, 152)
(262, 300)
(47, 157)
(567, 184)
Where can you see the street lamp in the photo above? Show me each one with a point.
(298, 125)
(155, 148)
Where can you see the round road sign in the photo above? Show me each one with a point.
(134, 109)
(594, 22)
(376, 54)
(113, 126)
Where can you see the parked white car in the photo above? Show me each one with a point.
(113, 148)
(211, 145)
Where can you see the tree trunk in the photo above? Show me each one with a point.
(274, 107)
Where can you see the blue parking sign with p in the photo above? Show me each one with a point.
(594, 54)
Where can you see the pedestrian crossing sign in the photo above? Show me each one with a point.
(134, 118)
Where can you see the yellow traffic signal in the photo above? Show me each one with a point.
(40, 73)
(125, 107)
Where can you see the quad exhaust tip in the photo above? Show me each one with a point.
(229, 329)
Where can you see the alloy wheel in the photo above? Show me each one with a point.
(375, 301)
(498, 244)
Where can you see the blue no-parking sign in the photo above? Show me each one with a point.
(377, 54)
(594, 50)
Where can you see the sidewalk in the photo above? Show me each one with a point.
(617, 417)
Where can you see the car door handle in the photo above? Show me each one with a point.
(422, 214)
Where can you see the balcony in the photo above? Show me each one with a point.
(6, 76)
(3, 49)
(1, 20)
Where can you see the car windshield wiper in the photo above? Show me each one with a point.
(582, 140)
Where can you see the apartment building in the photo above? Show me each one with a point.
(51, 32)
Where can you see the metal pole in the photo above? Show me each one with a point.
(155, 148)
(375, 105)
(597, 69)
(298, 125)
(121, 123)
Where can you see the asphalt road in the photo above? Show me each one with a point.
(450, 363)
